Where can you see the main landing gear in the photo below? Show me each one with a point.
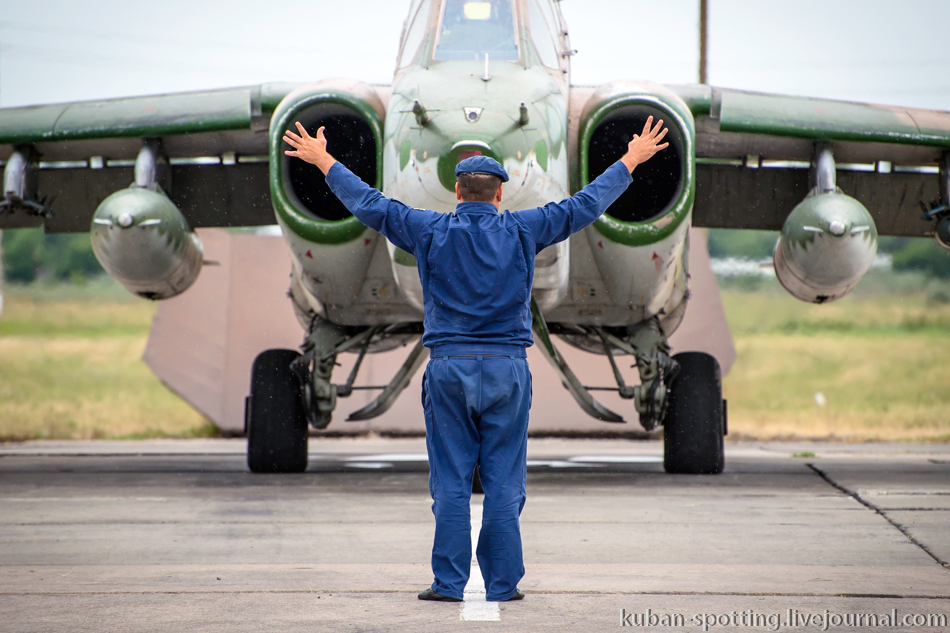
(291, 391)
(683, 393)
(695, 420)
(274, 415)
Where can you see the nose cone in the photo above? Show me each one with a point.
(451, 136)
(836, 228)
(827, 244)
(458, 152)
(139, 235)
(470, 117)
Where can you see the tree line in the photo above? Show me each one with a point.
(908, 253)
(31, 254)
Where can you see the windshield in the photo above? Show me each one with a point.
(415, 34)
(472, 28)
(541, 29)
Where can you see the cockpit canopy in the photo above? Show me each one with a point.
(468, 30)
(471, 29)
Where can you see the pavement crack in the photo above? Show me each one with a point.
(918, 510)
(870, 506)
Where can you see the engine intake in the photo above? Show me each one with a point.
(658, 183)
(352, 142)
(352, 113)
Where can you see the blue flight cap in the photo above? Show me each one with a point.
(481, 165)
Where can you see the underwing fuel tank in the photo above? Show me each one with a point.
(827, 245)
(142, 239)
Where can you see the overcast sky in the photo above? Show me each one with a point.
(868, 50)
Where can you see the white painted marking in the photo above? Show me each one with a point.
(391, 457)
(474, 606)
(472, 143)
(556, 464)
(386, 460)
(617, 459)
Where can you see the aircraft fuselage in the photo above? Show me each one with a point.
(447, 105)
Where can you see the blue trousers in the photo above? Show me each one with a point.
(476, 411)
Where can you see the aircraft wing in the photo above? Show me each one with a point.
(215, 141)
(754, 152)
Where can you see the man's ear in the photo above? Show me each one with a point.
(458, 192)
(498, 194)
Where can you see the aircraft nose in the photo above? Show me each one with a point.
(459, 151)
(473, 114)
(480, 130)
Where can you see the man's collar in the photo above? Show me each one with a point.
(476, 207)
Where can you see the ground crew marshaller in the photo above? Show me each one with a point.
(476, 267)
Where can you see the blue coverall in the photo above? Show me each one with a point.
(477, 268)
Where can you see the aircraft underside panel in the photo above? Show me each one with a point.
(349, 284)
(612, 284)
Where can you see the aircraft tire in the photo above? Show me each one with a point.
(276, 420)
(694, 424)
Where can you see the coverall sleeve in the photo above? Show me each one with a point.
(400, 224)
(557, 221)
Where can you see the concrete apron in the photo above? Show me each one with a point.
(134, 536)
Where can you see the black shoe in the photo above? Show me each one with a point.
(428, 594)
(519, 595)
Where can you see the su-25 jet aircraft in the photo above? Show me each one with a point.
(486, 77)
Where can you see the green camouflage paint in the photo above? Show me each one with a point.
(300, 223)
(676, 113)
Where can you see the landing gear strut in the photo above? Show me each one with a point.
(683, 393)
(647, 343)
(314, 367)
(291, 391)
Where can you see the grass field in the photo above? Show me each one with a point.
(873, 366)
(71, 368)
